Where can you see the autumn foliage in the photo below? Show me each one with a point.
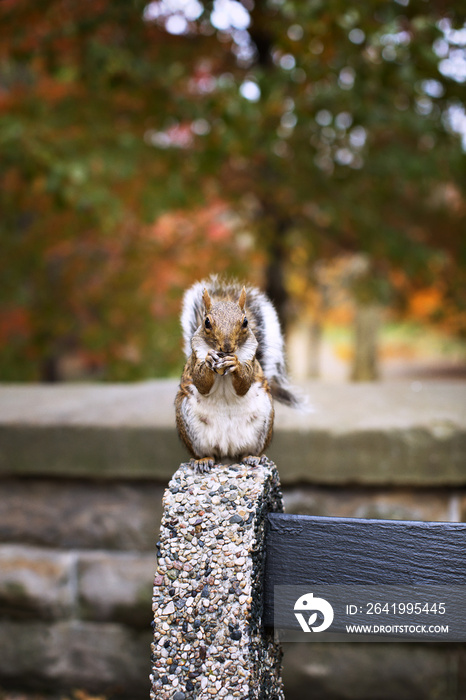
(136, 159)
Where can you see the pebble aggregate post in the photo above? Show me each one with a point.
(209, 640)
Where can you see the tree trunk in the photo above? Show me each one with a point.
(275, 277)
(315, 337)
(303, 349)
(49, 370)
(366, 325)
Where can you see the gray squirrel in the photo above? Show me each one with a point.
(235, 367)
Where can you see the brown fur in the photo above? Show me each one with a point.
(225, 332)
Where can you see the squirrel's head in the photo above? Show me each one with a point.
(225, 324)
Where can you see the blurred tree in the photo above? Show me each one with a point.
(327, 126)
(85, 270)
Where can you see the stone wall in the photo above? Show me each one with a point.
(82, 474)
(77, 562)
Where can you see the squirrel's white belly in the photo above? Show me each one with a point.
(223, 424)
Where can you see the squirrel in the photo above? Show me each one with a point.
(235, 367)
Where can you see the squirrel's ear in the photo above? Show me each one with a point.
(207, 301)
(242, 299)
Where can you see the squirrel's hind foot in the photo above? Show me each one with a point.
(254, 460)
(203, 465)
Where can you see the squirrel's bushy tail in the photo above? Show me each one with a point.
(263, 322)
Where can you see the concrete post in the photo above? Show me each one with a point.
(208, 598)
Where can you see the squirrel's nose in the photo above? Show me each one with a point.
(227, 349)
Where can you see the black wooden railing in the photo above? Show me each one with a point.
(307, 550)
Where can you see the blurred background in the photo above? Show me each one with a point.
(314, 148)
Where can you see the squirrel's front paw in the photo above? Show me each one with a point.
(211, 359)
(221, 363)
(226, 364)
(203, 465)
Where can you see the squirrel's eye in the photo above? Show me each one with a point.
(245, 322)
(207, 323)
